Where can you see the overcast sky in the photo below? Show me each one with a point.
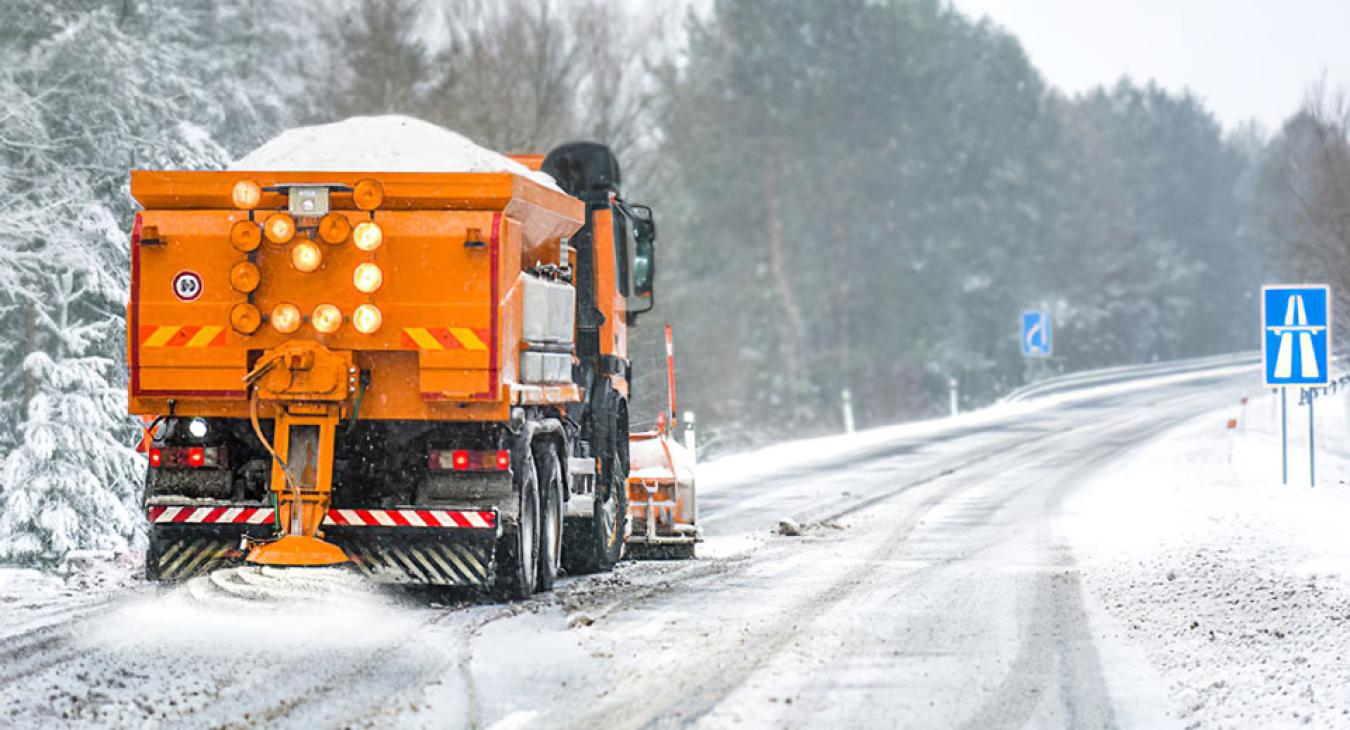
(1245, 58)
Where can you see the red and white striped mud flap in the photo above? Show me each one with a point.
(411, 518)
(420, 546)
(210, 515)
(417, 546)
(433, 518)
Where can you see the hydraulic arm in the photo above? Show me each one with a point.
(307, 386)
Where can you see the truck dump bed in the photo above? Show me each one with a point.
(208, 279)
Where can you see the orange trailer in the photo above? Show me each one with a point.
(421, 374)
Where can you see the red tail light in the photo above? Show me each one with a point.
(467, 460)
(190, 457)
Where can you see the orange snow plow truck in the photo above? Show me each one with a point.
(424, 375)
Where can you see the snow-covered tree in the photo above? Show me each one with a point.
(93, 89)
(72, 482)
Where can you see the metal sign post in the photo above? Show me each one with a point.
(1284, 437)
(1312, 453)
(1296, 330)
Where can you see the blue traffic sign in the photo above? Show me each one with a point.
(1296, 334)
(1036, 334)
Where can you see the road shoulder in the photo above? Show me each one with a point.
(1229, 585)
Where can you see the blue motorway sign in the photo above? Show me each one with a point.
(1036, 334)
(1296, 334)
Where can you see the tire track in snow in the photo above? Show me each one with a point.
(722, 671)
(726, 667)
(47, 644)
(1057, 646)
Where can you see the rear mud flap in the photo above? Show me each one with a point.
(420, 557)
(458, 553)
(179, 552)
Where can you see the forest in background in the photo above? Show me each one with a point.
(852, 194)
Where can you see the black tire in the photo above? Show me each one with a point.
(152, 551)
(594, 544)
(518, 547)
(550, 479)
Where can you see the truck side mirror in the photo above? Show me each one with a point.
(645, 224)
(644, 267)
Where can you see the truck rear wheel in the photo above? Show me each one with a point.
(551, 515)
(594, 544)
(518, 547)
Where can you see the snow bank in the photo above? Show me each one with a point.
(1234, 585)
(380, 144)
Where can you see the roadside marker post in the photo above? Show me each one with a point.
(847, 401)
(1296, 353)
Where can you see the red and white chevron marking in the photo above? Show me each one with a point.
(443, 518)
(211, 515)
(411, 518)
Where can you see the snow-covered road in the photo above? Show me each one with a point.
(937, 583)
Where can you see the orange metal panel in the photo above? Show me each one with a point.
(448, 345)
(614, 332)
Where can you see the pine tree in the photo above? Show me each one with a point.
(72, 483)
(159, 95)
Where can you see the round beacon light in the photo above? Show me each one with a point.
(245, 318)
(285, 318)
(367, 318)
(368, 236)
(246, 235)
(334, 228)
(326, 319)
(280, 228)
(306, 257)
(367, 194)
(244, 277)
(246, 195)
(367, 278)
(198, 428)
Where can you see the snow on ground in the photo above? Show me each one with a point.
(31, 598)
(389, 143)
(1236, 588)
(797, 454)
